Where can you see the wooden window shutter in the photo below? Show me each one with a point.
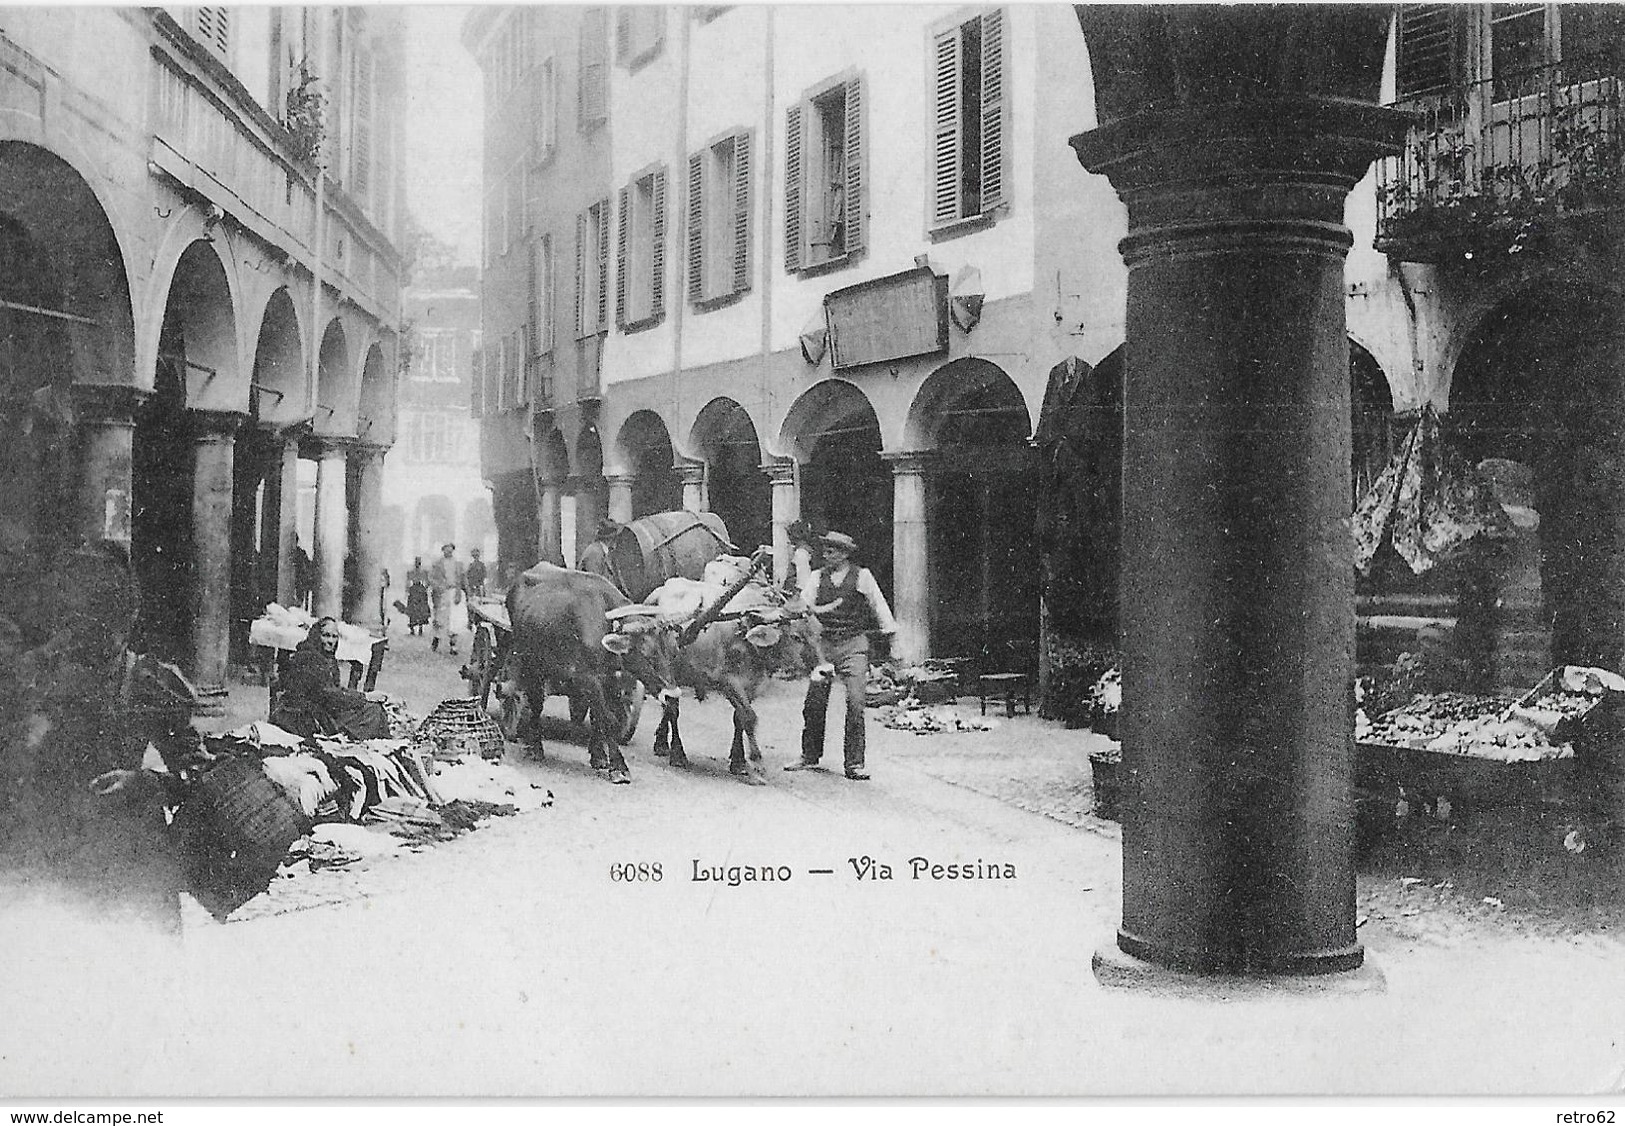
(623, 33)
(581, 273)
(742, 212)
(476, 386)
(214, 28)
(1427, 50)
(945, 130)
(696, 226)
(993, 110)
(620, 258)
(592, 78)
(533, 305)
(603, 265)
(657, 253)
(793, 225)
(544, 314)
(855, 148)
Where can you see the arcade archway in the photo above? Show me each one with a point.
(845, 483)
(646, 447)
(736, 487)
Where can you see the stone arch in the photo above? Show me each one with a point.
(335, 386)
(277, 389)
(737, 489)
(644, 447)
(1534, 401)
(552, 452)
(375, 410)
(833, 431)
(196, 297)
(591, 489)
(68, 320)
(981, 487)
(1371, 410)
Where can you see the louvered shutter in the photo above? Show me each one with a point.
(603, 265)
(581, 273)
(1426, 48)
(214, 28)
(657, 253)
(793, 189)
(696, 224)
(945, 132)
(361, 136)
(476, 386)
(993, 103)
(544, 315)
(591, 87)
(623, 34)
(533, 277)
(855, 208)
(620, 259)
(741, 212)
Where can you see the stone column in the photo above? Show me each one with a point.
(332, 525)
(547, 523)
(620, 497)
(213, 438)
(911, 560)
(692, 475)
(1237, 596)
(368, 551)
(786, 494)
(569, 547)
(106, 421)
(284, 511)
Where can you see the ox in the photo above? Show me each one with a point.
(733, 655)
(559, 622)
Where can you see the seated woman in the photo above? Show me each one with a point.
(312, 702)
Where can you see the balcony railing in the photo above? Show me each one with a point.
(1494, 167)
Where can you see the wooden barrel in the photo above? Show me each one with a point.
(652, 549)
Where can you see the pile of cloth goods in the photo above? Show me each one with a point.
(1107, 694)
(1462, 724)
(266, 789)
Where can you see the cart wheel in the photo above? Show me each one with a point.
(482, 663)
(511, 716)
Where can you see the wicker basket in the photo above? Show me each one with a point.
(236, 826)
(463, 721)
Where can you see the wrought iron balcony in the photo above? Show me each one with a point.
(1505, 165)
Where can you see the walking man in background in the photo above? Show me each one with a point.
(476, 576)
(848, 603)
(446, 580)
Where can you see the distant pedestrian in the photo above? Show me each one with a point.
(474, 583)
(417, 597)
(304, 575)
(446, 579)
(848, 604)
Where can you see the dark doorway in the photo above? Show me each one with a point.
(161, 531)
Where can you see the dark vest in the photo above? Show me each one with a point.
(851, 616)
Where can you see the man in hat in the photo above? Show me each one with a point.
(446, 580)
(848, 604)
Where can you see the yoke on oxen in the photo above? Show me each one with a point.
(709, 637)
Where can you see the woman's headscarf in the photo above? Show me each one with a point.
(313, 639)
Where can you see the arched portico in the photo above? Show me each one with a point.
(552, 471)
(589, 491)
(644, 448)
(833, 431)
(971, 420)
(736, 487)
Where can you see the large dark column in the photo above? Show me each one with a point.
(106, 421)
(212, 443)
(369, 559)
(1237, 570)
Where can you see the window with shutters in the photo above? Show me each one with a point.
(1428, 56)
(969, 165)
(513, 372)
(641, 251)
(640, 29)
(361, 128)
(547, 109)
(719, 214)
(212, 27)
(541, 295)
(435, 359)
(476, 386)
(592, 76)
(592, 269)
(825, 166)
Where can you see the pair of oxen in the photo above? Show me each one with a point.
(575, 633)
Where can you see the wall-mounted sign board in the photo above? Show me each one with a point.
(889, 318)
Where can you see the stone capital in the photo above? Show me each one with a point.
(621, 480)
(691, 472)
(911, 463)
(780, 471)
(107, 404)
(214, 425)
(322, 446)
(370, 453)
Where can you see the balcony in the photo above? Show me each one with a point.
(1505, 166)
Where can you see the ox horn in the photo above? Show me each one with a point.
(616, 643)
(631, 610)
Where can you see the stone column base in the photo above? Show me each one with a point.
(1116, 969)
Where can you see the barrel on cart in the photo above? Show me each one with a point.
(639, 556)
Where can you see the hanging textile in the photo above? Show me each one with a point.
(1429, 502)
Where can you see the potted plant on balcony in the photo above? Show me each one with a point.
(305, 115)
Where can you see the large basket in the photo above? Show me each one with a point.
(463, 721)
(235, 827)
